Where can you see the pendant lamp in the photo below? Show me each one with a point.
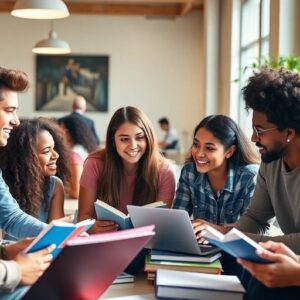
(51, 45)
(40, 9)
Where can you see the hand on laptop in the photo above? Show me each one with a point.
(198, 226)
(104, 226)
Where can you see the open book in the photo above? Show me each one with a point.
(58, 233)
(235, 243)
(105, 211)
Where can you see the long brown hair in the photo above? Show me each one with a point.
(145, 190)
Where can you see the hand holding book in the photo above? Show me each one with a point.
(283, 260)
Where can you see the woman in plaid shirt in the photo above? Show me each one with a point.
(219, 178)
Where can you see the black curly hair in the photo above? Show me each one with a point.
(275, 93)
(20, 165)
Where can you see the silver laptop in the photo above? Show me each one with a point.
(174, 231)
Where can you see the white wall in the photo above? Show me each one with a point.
(155, 64)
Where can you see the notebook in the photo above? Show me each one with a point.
(174, 231)
(87, 266)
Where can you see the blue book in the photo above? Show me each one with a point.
(235, 243)
(58, 233)
(107, 212)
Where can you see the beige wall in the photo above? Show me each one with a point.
(155, 64)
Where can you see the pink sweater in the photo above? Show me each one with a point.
(165, 189)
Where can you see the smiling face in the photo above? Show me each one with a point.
(271, 144)
(8, 114)
(130, 142)
(209, 153)
(47, 156)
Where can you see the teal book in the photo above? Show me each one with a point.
(107, 212)
(58, 233)
(235, 243)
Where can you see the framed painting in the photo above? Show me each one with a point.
(59, 78)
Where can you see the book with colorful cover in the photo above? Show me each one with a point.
(212, 268)
(105, 211)
(58, 233)
(235, 243)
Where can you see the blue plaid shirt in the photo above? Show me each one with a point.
(195, 195)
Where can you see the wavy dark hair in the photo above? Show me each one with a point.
(20, 165)
(229, 133)
(148, 166)
(275, 93)
(79, 131)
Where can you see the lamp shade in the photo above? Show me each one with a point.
(51, 45)
(40, 9)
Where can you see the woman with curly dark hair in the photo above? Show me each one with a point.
(35, 152)
(81, 140)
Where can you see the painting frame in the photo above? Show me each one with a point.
(59, 78)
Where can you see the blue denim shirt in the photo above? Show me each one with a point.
(14, 220)
(194, 194)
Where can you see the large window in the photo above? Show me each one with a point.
(254, 44)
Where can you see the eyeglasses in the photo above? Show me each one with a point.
(259, 131)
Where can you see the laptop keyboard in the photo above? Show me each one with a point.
(208, 249)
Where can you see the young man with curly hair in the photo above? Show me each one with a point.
(274, 97)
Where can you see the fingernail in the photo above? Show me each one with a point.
(53, 246)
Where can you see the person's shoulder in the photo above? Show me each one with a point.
(86, 118)
(251, 169)
(189, 166)
(61, 119)
(95, 158)
(55, 179)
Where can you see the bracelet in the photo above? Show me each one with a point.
(3, 252)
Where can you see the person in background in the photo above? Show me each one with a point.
(78, 109)
(218, 180)
(170, 140)
(34, 153)
(81, 140)
(129, 170)
(274, 97)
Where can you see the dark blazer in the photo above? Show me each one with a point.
(89, 122)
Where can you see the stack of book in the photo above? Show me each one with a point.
(182, 262)
(124, 278)
(187, 285)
